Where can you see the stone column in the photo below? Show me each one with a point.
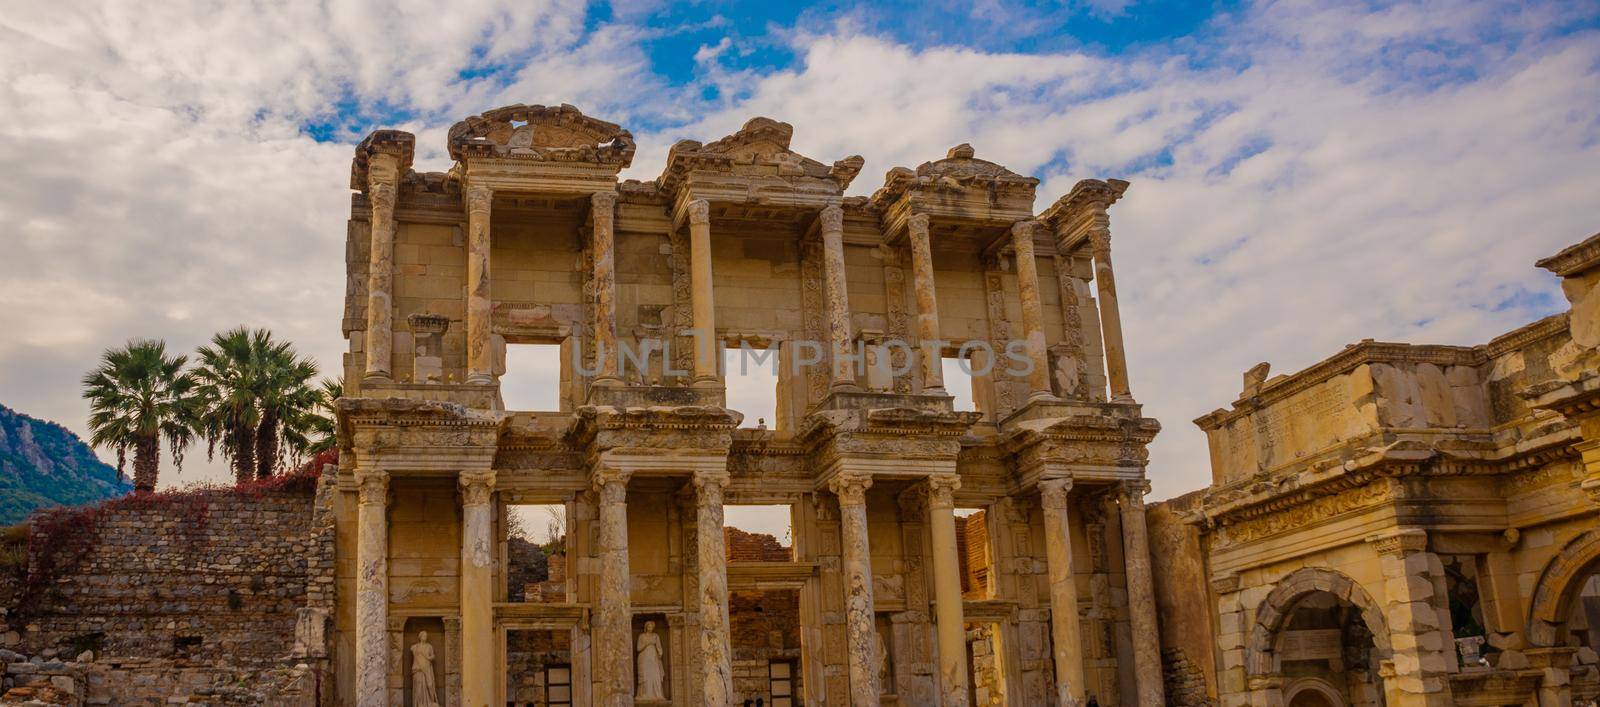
(602, 215)
(382, 175)
(613, 613)
(1141, 595)
(1032, 310)
(1418, 642)
(480, 305)
(831, 221)
(860, 626)
(715, 648)
(1066, 636)
(947, 601)
(478, 661)
(1110, 318)
(702, 302)
(927, 304)
(372, 589)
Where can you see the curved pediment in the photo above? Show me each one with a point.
(960, 170)
(759, 149)
(554, 134)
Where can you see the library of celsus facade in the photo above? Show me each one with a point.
(532, 240)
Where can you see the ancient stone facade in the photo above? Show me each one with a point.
(1399, 525)
(531, 239)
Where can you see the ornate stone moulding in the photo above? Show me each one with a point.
(1571, 399)
(399, 143)
(959, 172)
(1068, 217)
(762, 167)
(1574, 259)
(541, 133)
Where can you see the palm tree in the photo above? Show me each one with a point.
(138, 396)
(286, 401)
(258, 399)
(228, 379)
(320, 424)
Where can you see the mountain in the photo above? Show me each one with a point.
(44, 464)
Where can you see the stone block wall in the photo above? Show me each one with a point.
(215, 596)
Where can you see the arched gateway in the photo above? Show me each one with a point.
(1318, 639)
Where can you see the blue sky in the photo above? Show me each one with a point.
(1305, 174)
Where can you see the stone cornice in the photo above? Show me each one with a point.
(959, 171)
(1519, 338)
(1087, 193)
(1574, 259)
(760, 149)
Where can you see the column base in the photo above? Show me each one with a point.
(480, 379)
(377, 377)
(707, 382)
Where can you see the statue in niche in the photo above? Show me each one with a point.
(424, 693)
(882, 655)
(651, 673)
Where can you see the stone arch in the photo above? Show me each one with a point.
(1260, 651)
(1315, 685)
(1562, 577)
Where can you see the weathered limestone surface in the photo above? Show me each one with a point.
(858, 605)
(480, 307)
(613, 635)
(372, 590)
(927, 303)
(477, 607)
(1066, 634)
(947, 604)
(714, 632)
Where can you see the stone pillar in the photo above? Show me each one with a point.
(1066, 636)
(860, 626)
(1032, 310)
(1418, 642)
(927, 304)
(382, 175)
(715, 649)
(372, 589)
(478, 661)
(1110, 318)
(613, 613)
(835, 294)
(947, 601)
(480, 305)
(702, 302)
(1141, 595)
(602, 216)
(1555, 674)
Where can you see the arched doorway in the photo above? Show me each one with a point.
(1565, 612)
(1322, 639)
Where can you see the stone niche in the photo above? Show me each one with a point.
(653, 623)
(415, 626)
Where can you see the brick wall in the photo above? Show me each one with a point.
(753, 547)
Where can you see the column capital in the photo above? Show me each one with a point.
(1053, 492)
(850, 488)
(942, 490)
(708, 480)
(477, 487)
(699, 212)
(603, 200)
(917, 224)
(372, 486)
(831, 218)
(610, 483)
(479, 198)
(1025, 229)
(1401, 542)
(1133, 493)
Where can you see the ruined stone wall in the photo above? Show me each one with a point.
(208, 574)
(1178, 565)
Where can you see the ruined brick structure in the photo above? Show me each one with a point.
(531, 239)
(1399, 525)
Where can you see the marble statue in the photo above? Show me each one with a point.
(651, 673)
(423, 691)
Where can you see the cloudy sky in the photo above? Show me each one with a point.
(1304, 174)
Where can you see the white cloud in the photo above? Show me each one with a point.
(1330, 173)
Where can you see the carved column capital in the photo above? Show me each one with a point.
(477, 487)
(711, 484)
(1024, 229)
(478, 199)
(611, 484)
(1053, 493)
(372, 487)
(917, 224)
(603, 201)
(1401, 542)
(850, 488)
(831, 219)
(1133, 493)
(699, 212)
(942, 490)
